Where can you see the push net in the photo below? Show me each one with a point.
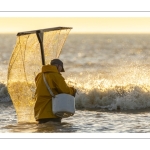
(25, 63)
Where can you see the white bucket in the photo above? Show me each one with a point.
(63, 105)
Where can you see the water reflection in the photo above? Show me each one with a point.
(49, 127)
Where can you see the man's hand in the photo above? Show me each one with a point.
(75, 91)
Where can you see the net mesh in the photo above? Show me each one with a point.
(25, 64)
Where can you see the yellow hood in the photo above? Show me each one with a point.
(49, 68)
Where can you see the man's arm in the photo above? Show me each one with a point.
(62, 86)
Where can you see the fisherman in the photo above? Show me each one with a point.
(43, 105)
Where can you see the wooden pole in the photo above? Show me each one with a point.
(40, 38)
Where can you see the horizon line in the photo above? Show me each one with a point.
(90, 32)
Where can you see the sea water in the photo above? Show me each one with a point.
(112, 75)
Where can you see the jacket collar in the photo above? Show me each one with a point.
(49, 68)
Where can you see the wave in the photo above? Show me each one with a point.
(121, 98)
(126, 89)
(4, 95)
(129, 97)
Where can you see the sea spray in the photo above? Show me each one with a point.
(128, 88)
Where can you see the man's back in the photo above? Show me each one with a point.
(43, 105)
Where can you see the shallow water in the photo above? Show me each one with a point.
(84, 121)
(111, 73)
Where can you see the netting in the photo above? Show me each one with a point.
(25, 64)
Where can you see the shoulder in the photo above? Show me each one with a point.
(38, 75)
(56, 76)
(59, 75)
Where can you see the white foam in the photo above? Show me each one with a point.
(136, 99)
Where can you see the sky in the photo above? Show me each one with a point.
(79, 24)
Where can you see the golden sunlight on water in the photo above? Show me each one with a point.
(111, 74)
(125, 88)
(122, 77)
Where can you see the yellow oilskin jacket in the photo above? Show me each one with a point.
(43, 104)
